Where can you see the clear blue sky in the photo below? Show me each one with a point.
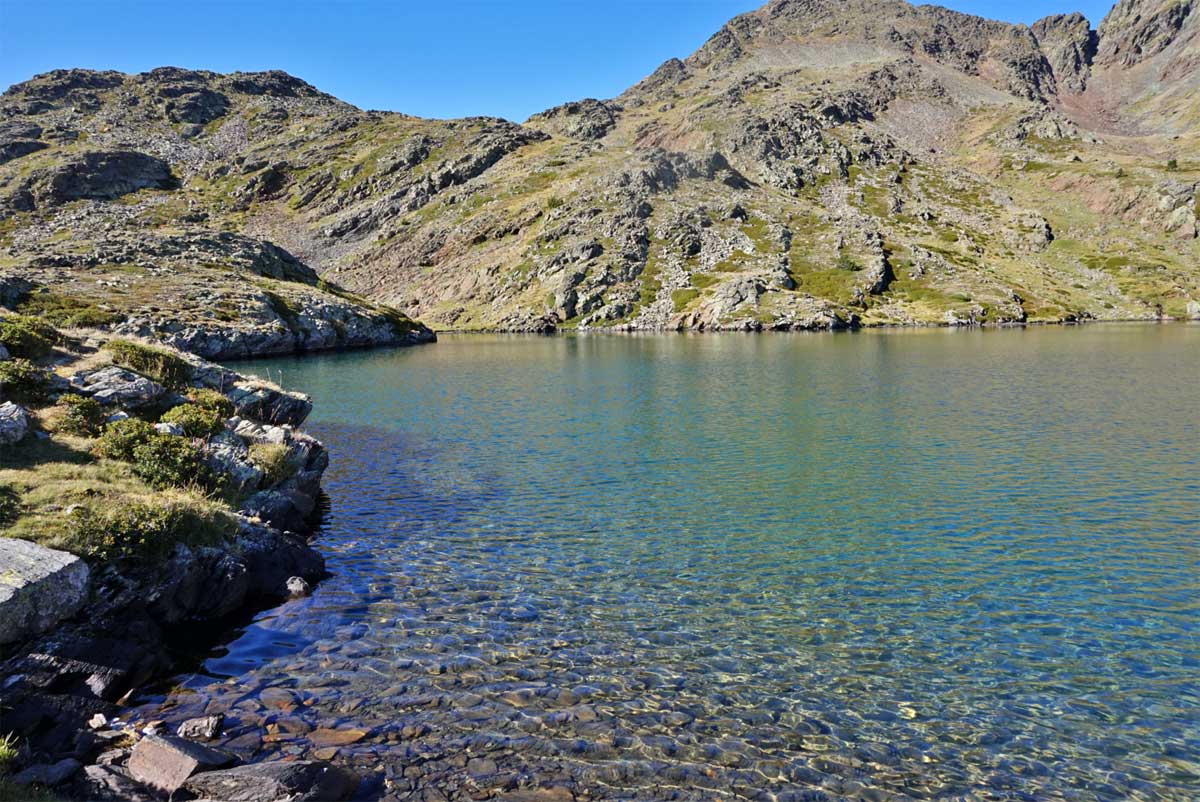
(452, 58)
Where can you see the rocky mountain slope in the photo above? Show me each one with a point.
(816, 164)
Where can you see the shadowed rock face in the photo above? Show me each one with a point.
(1069, 44)
(892, 164)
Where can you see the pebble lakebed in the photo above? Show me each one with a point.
(644, 606)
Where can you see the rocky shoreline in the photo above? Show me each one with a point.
(78, 637)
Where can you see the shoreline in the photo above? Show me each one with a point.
(83, 630)
(860, 329)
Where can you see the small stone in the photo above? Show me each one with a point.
(165, 762)
(481, 767)
(202, 729)
(297, 587)
(330, 737)
(173, 429)
(98, 721)
(154, 727)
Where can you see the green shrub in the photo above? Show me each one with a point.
(23, 381)
(26, 337)
(195, 420)
(166, 461)
(81, 415)
(272, 459)
(120, 438)
(211, 399)
(1173, 164)
(10, 504)
(145, 531)
(161, 365)
(63, 310)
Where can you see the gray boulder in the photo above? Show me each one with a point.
(38, 587)
(115, 385)
(14, 423)
(296, 781)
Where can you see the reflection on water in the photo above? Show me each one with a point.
(953, 565)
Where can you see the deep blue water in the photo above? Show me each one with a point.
(889, 565)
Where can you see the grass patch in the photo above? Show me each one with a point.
(287, 310)
(273, 460)
(101, 509)
(681, 298)
(63, 310)
(169, 369)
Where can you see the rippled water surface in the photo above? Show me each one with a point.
(882, 566)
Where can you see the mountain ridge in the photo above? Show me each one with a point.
(814, 164)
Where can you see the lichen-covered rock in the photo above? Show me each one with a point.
(14, 423)
(38, 587)
(113, 385)
(228, 455)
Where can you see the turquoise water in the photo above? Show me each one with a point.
(879, 566)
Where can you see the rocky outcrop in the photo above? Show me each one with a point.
(95, 174)
(79, 637)
(38, 588)
(1069, 44)
(583, 119)
(1135, 30)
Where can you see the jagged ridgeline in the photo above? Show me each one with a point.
(815, 164)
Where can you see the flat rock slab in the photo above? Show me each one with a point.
(165, 762)
(295, 781)
(38, 587)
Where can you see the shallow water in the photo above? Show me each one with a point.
(879, 566)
